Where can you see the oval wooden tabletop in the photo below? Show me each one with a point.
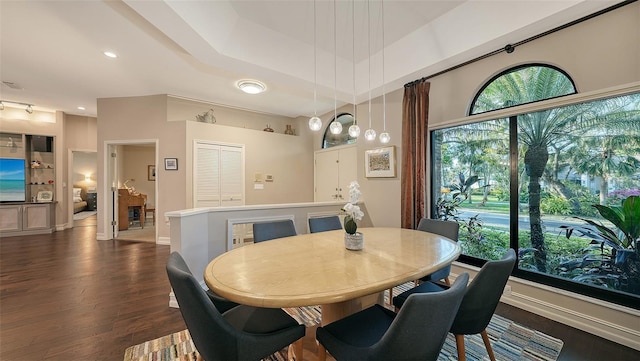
(316, 268)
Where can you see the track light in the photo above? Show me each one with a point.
(28, 109)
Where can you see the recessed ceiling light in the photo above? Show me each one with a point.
(251, 86)
(81, 108)
(110, 54)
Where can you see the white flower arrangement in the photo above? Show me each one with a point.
(352, 210)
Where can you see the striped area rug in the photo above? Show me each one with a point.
(510, 341)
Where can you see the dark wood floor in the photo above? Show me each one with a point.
(66, 296)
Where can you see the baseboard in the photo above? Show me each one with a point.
(102, 237)
(586, 313)
(165, 241)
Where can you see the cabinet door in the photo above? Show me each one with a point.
(36, 216)
(11, 218)
(231, 176)
(347, 171)
(326, 177)
(206, 192)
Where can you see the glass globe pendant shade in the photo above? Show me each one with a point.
(315, 123)
(384, 137)
(370, 134)
(335, 127)
(354, 131)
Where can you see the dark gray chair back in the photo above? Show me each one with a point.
(322, 224)
(264, 231)
(241, 333)
(483, 295)
(419, 331)
(449, 229)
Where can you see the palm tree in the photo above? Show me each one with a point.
(539, 131)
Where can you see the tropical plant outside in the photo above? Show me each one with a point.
(569, 158)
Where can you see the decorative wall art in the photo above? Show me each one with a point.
(380, 162)
(171, 163)
(151, 172)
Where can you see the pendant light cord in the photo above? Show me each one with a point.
(384, 94)
(369, 50)
(353, 55)
(335, 64)
(315, 65)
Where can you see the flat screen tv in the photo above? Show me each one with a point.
(12, 180)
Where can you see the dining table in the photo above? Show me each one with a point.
(316, 269)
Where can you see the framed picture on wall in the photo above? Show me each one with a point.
(171, 163)
(380, 162)
(151, 172)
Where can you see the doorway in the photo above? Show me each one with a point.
(132, 181)
(82, 192)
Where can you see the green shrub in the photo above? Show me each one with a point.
(555, 205)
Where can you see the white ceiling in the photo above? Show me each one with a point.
(53, 50)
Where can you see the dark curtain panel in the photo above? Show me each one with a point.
(415, 118)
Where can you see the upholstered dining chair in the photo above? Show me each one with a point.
(241, 333)
(322, 224)
(221, 303)
(479, 302)
(447, 229)
(265, 231)
(417, 332)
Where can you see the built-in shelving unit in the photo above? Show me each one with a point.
(29, 210)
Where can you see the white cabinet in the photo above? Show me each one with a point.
(26, 219)
(218, 177)
(335, 169)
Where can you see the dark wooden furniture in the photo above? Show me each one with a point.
(92, 201)
(128, 201)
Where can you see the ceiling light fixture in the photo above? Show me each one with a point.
(354, 130)
(336, 126)
(369, 134)
(251, 86)
(384, 136)
(110, 54)
(81, 108)
(315, 123)
(29, 109)
(1, 106)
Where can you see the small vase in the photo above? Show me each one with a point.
(289, 131)
(354, 242)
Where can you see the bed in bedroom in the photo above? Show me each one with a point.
(79, 198)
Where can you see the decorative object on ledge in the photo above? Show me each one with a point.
(353, 240)
(206, 117)
(380, 162)
(289, 130)
(171, 164)
(268, 129)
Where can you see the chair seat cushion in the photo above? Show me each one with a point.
(425, 287)
(361, 329)
(258, 320)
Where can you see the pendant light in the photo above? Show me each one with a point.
(336, 126)
(315, 123)
(354, 130)
(384, 136)
(369, 134)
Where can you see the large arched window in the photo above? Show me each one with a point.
(533, 180)
(521, 85)
(332, 140)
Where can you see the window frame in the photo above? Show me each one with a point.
(511, 113)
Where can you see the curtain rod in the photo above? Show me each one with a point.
(509, 48)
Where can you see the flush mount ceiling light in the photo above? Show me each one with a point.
(110, 54)
(251, 86)
(81, 108)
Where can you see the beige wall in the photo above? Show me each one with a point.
(601, 53)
